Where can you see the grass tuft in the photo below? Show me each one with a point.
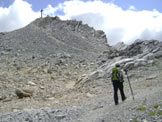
(159, 113)
(152, 114)
(141, 108)
(156, 105)
(135, 121)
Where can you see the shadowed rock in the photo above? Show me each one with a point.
(23, 93)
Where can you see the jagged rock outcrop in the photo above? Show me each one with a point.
(144, 48)
(120, 46)
(140, 53)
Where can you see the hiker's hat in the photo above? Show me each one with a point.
(117, 65)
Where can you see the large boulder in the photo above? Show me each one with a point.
(21, 93)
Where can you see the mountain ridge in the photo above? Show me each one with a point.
(50, 38)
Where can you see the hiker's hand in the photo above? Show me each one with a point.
(125, 70)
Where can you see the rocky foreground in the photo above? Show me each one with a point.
(59, 71)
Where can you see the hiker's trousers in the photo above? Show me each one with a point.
(118, 85)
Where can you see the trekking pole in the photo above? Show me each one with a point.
(129, 84)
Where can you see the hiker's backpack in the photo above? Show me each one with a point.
(116, 75)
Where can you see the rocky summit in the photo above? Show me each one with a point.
(60, 71)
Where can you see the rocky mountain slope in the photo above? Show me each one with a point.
(59, 71)
(49, 36)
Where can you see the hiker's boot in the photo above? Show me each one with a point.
(116, 103)
(124, 98)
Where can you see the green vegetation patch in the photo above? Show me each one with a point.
(157, 105)
(159, 113)
(135, 120)
(141, 108)
(152, 113)
(155, 113)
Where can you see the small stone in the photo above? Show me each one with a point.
(130, 120)
(144, 120)
(51, 98)
(92, 63)
(2, 97)
(151, 77)
(31, 83)
(15, 110)
(89, 95)
(60, 117)
(83, 75)
(7, 100)
(56, 102)
(42, 87)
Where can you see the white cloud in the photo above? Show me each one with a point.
(19, 14)
(16, 15)
(50, 11)
(118, 24)
(132, 8)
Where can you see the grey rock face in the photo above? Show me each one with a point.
(120, 46)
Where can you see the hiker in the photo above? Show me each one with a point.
(117, 81)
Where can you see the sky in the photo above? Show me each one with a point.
(121, 20)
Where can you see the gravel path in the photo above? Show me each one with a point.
(101, 109)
